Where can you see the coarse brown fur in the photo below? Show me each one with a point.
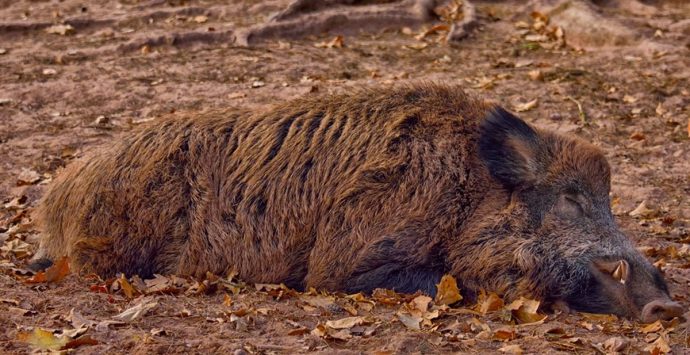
(380, 188)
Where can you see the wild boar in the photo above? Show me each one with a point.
(382, 188)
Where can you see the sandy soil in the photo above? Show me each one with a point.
(125, 62)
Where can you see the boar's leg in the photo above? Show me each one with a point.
(398, 277)
(403, 262)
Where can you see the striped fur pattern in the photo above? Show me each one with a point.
(377, 188)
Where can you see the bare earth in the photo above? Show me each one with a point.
(125, 62)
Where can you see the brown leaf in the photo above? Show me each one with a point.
(447, 291)
(77, 320)
(346, 323)
(615, 344)
(60, 29)
(159, 284)
(637, 135)
(28, 177)
(126, 287)
(420, 303)
(432, 30)
(200, 19)
(55, 273)
(555, 333)
(535, 75)
(526, 106)
(608, 318)
(17, 247)
(511, 349)
(85, 340)
(652, 327)
(525, 311)
(103, 325)
(411, 321)
(642, 211)
(136, 311)
(505, 334)
(299, 331)
(417, 46)
(489, 303)
(659, 346)
(42, 339)
(58, 271)
(387, 297)
(324, 302)
(329, 333)
(227, 300)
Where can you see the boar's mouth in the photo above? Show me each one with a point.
(633, 291)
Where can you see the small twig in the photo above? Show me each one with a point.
(581, 112)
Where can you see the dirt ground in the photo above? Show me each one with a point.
(64, 90)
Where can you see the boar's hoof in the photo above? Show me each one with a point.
(660, 310)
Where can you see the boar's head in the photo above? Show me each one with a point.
(565, 246)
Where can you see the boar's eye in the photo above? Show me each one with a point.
(569, 206)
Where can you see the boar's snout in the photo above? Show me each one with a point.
(660, 310)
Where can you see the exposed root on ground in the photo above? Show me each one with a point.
(310, 17)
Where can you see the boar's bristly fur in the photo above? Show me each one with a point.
(383, 188)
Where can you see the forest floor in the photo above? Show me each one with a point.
(65, 89)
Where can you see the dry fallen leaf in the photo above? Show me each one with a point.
(505, 334)
(411, 321)
(489, 303)
(42, 339)
(336, 42)
(642, 211)
(324, 302)
(659, 346)
(384, 296)
(16, 203)
(28, 177)
(535, 75)
(447, 291)
(60, 29)
(78, 321)
(85, 340)
(417, 46)
(158, 284)
(329, 333)
(629, 99)
(140, 309)
(17, 247)
(511, 349)
(637, 135)
(432, 30)
(55, 273)
(227, 300)
(652, 327)
(126, 287)
(526, 106)
(615, 344)
(421, 303)
(103, 325)
(525, 310)
(346, 323)
(237, 95)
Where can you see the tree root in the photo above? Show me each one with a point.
(307, 17)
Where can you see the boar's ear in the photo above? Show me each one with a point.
(618, 270)
(510, 148)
